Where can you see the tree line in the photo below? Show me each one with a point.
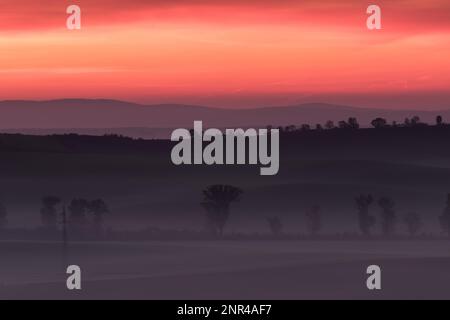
(352, 123)
(218, 199)
(82, 214)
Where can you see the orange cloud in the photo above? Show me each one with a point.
(407, 15)
(174, 50)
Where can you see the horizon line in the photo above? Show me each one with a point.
(136, 103)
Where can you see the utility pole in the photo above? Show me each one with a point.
(65, 252)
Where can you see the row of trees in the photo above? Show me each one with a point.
(218, 199)
(80, 212)
(352, 123)
(388, 216)
(78, 209)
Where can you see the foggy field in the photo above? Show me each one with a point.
(227, 269)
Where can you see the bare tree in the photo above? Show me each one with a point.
(217, 200)
(366, 221)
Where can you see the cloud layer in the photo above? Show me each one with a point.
(400, 15)
(237, 51)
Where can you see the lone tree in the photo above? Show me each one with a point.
(388, 218)
(313, 220)
(379, 123)
(305, 127)
(353, 123)
(413, 223)
(343, 124)
(77, 213)
(415, 120)
(217, 200)
(366, 221)
(439, 121)
(98, 208)
(290, 128)
(407, 122)
(3, 214)
(48, 211)
(444, 219)
(276, 226)
(329, 125)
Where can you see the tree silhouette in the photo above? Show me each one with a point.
(439, 121)
(388, 218)
(407, 122)
(330, 125)
(444, 219)
(217, 200)
(305, 127)
(343, 124)
(290, 128)
(415, 120)
(313, 220)
(413, 223)
(379, 123)
(353, 123)
(3, 216)
(48, 211)
(98, 208)
(366, 221)
(276, 227)
(77, 209)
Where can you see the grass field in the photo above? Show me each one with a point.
(227, 270)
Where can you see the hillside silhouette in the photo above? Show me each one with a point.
(324, 167)
(88, 116)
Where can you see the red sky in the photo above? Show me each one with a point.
(234, 53)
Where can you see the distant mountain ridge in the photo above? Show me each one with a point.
(110, 116)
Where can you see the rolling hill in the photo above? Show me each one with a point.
(102, 116)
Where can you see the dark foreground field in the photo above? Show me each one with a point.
(142, 187)
(228, 270)
(145, 191)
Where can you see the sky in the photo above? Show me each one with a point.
(233, 53)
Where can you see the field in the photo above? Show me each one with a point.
(227, 270)
(143, 188)
(145, 191)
